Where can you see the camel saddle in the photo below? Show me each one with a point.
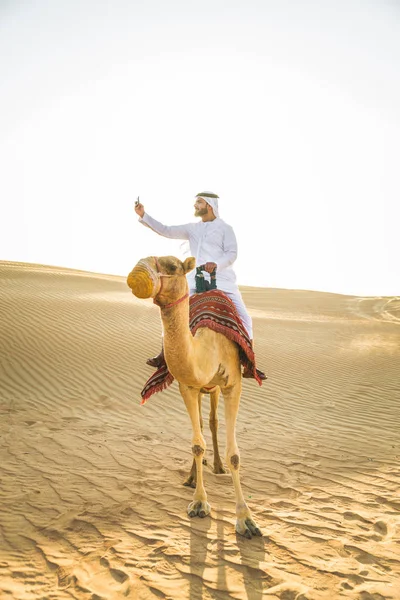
(215, 310)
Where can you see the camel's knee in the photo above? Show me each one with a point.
(233, 461)
(198, 446)
(198, 449)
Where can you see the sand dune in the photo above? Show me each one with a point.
(91, 498)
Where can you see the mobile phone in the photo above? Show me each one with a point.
(137, 201)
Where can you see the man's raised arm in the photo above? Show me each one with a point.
(177, 232)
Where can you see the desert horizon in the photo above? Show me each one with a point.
(92, 502)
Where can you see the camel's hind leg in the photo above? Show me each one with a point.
(214, 398)
(245, 525)
(199, 506)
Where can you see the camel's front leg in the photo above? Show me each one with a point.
(191, 480)
(199, 506)
(245, 524)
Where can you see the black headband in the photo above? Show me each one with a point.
(207, 195)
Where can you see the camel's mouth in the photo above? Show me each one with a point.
(141, 282)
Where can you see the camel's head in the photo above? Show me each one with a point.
(151, 274)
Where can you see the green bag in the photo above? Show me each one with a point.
(202, 285)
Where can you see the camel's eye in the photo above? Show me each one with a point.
(172, 268)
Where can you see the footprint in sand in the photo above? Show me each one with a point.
(365, 558)
(117, 574)
(94, 431)
(381, 528)
(157, 592)
(141, 438)
(339, 547)
(346, 585)
(283, 504)
(106, 402)
(65, 577)
(351, 516)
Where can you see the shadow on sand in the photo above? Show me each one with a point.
(230, 561)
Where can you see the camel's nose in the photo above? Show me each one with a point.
(140, 282)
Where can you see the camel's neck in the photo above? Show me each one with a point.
(178, 341)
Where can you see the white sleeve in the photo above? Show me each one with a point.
(176, 232)
(230, 249)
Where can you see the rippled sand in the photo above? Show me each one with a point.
(91, 497)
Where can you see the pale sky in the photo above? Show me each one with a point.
(288, 109)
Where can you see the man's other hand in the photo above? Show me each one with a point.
(210, 266)
(139, 210)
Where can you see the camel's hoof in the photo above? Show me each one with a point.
(190, 482)
(219, 469)
(198, 509)
(247, 527)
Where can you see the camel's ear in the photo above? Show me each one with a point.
(189, 264)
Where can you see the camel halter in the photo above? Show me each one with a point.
(155, 276)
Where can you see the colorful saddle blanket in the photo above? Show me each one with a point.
(215, 310)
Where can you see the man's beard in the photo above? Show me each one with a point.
(200, 212)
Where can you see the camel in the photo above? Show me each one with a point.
(207, 359)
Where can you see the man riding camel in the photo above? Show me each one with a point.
(213, 244)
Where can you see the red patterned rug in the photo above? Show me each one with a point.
(215, 310)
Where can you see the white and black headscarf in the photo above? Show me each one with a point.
(211, 199)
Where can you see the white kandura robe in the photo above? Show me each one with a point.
(209, 241)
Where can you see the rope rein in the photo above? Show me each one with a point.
(161, 275)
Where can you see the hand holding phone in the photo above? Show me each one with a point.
(139, 208)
